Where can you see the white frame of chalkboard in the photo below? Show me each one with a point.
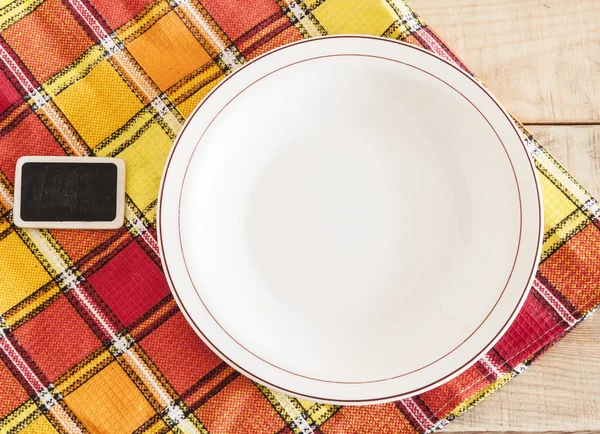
(120, 205)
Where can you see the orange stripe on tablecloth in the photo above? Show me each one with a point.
(104, 252)
(154, 318)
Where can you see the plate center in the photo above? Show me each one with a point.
(340, 216)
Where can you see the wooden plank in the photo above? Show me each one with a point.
(561, 391)
(533, 432)
(541, 58)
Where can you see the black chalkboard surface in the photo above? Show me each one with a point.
(61, 191)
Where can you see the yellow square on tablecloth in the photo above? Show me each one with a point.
(557, 206)
(360, 17)
(17, 285)
(110, 402)
(39, 426)
(99, 104)
(145, 160)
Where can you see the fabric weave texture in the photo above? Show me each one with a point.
(91, 339)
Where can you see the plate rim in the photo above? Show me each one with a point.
(418, 390)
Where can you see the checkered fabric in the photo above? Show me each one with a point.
(91, 339)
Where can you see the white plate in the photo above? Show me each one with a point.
(350, 220)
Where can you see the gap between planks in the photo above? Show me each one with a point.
(562, 124)
(531, 432)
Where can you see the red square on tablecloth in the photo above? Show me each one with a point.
(8, 94)
(48, 39)
(179, 353)
(533, 328)
(575, 270)
(247, 410)
(30, 137)
(13, 393)
(130, 283)
(236, 17)
(57, 338)
(447, 396)
(117, 13)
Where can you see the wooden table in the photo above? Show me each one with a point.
(541, 58)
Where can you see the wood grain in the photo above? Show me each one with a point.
(541, 58)
(561, 391)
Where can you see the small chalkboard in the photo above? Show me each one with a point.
(69, 192)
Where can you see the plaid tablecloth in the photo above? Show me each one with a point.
(91, 339)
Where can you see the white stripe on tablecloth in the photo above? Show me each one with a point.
(554, 302)
(308, 25)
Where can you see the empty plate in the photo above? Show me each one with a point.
(350, 220)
